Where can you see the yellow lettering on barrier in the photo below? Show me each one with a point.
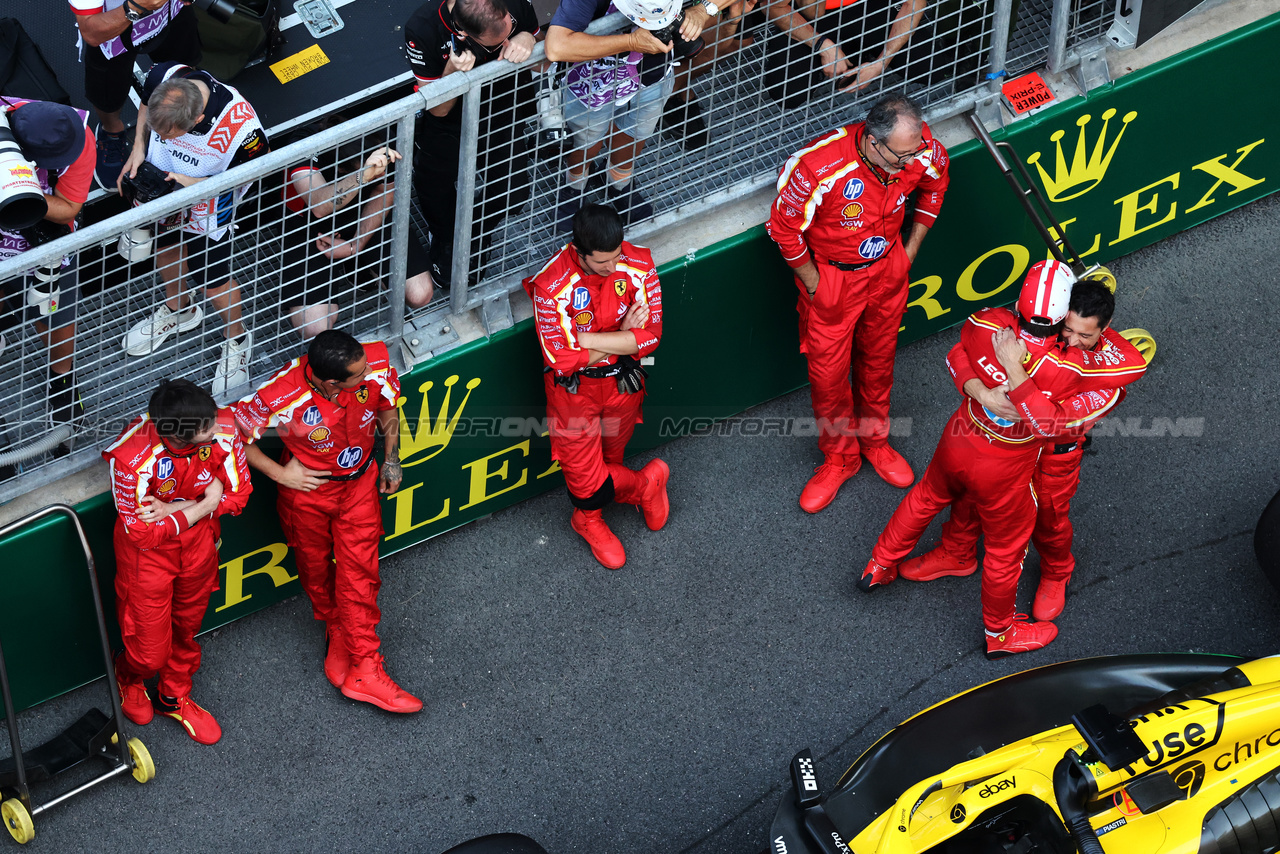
(1021, 258)
(421, 438)
(482, 473)
(403, 521)
(1129, 209)
(1097, 240)
(927, 301)
(555, 464)
(1236, 179)
(235, 574)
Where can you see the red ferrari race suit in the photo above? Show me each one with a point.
(590, 419)
(1057, 475)
(843, 212)
(334, 530)
(166, 570)
(990, 460)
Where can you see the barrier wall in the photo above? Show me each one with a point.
(1122, 167)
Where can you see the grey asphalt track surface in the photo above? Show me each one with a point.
(655, 709)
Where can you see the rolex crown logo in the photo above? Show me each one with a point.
(1087, 168)
(423, 438)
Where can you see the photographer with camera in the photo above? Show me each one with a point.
(618, 85)
(112, 34)
(192, 127)
(444, 37)
(56, 141)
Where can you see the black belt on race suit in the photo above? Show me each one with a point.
(1071, 446)
(852, 268)
(364, 466)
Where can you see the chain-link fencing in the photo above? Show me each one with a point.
(388, 223)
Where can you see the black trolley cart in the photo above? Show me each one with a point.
(94, 735)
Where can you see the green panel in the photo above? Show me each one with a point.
(472, 436)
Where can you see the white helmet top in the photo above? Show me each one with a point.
(649, 14)
(1046, 293)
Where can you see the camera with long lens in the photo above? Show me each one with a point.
(220, 10)
(44, 294)
(22, 201)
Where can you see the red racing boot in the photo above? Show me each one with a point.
(606, 547)
(1022, 636)
(196, 720)
(892, 467)
(337, 660)
(655, 505)
(938, 563)
(876, 575)
(368, 682)
(135, 702)
(826, 482)
(1051, 598)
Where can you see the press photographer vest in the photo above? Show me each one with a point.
(201, 155)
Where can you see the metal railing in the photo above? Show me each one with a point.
(759, 93)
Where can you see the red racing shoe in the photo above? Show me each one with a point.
(892, 467)
(826, 482)
(1022, 636)
(337, 660)
(196, 720)
(875, 576)
(135, 702)
(655, 505)
(1051, 598)
(606, 547)
(938, 563)
(368, 682)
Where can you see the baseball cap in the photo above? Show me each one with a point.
(52, 135)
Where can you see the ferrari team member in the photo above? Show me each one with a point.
(1057, 474)
(990, 460)
(325, 406)
(598, 307)
(838, 221)
(175, 471)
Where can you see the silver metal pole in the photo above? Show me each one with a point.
(465, 209)
(1058, 34)
(400, 224)
(1000, 41)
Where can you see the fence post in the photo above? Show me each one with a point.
(400, 224)
(1058, 35)
(465, 209)
(1000, 43)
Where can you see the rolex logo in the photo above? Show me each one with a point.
(423, 434)
(1088, 167)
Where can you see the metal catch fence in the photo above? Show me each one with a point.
(323, 238)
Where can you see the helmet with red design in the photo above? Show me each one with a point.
(1045, 297)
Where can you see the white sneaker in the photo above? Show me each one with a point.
(233, 367)
(147, 335)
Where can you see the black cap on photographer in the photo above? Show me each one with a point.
(52, 135)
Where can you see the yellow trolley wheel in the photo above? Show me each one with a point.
(144, 767)
(18, 821)
(1142, 339)
(1103, 275)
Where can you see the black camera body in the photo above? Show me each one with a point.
(220, 10)
(151, 183)
(43, 232)
(680, 48)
